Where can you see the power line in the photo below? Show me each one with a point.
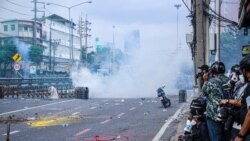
(216, 16)
(18, 4)
(15, 11)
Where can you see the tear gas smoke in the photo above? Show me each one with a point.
(147, 70)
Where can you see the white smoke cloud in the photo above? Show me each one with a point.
(147, 70)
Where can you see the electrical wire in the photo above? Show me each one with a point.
(216, 16)
(15, 11)
(18, 4)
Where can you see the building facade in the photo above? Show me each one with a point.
(22, 30)
(55, 33)
(61, 39)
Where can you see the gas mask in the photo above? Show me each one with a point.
(234, 77)
(242, 78)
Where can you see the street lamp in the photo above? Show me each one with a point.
(177, 7)
(70, 21)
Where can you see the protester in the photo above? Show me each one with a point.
(212, 90)
(244, 134)
(233, 122)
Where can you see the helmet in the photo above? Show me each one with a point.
(235, 68)
(245, 63)
(204, 67)
(217, 68)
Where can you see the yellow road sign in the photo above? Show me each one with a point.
(17, 58)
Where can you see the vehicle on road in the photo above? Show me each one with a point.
(162, 96)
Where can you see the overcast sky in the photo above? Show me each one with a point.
(156, 19)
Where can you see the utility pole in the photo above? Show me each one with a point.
(80, 24)
(83, 31)
(218, 10)
(34, 31)
(35, 19)
(177, 42)
(50, 47)
(201, 35)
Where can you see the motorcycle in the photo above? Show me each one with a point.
(164, 100)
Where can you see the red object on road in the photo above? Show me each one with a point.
(98, 138)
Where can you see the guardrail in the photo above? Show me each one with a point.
(36, 87)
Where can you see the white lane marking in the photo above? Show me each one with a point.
(121, 114)
(92, 108)
(76, 113)
(82, 132)
(105, 121)
(131, 109)
(77, 108)
(13, 132)
(29, 108)
(165, 126)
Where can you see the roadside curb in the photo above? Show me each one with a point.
(182, 121)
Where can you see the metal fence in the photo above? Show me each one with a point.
(36, 87)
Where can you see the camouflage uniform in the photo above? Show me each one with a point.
(212, 89)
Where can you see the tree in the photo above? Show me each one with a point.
(35, 54)
(6, 53)
(231, 46)
(91, 57)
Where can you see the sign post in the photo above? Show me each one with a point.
(17, 58)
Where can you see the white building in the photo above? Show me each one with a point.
(22, 30)
(55, 33)
(58, 29)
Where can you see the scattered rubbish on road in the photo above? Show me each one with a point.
(65, 125)
(179, 117)
(140, 103)
(31, 118)
(122, 100)
(53, 93)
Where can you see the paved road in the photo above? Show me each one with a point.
(82, 120)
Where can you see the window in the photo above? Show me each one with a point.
(5, 27)
(5, 42)
(25, 28)
(13, 28)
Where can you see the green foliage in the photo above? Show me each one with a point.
(35, 54)
(91, 57)
(231, 46)
(7, 52)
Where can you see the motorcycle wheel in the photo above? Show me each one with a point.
(168, 103)
(164, 103)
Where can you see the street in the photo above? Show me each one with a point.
(137, 119)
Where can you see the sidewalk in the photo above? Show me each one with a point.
(183, 119)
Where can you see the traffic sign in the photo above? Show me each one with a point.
(17, 67)
(17, 58)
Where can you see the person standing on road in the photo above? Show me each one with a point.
(212, 90)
